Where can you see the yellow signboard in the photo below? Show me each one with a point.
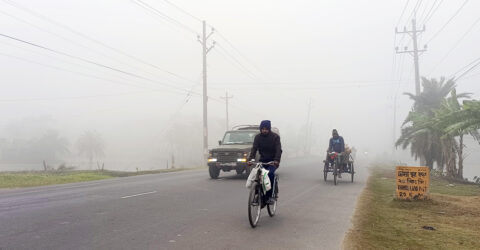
(412, 182)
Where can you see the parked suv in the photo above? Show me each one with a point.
(233, 150)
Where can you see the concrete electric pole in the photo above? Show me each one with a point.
(414, 52)
(308, 130)
(205, 49)
(226, 98)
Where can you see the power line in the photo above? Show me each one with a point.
(69, 98)
(472, 75)
(233, 63)
(182, 10)
(455, 45)
(467, 71)
(75, 42)
(312, 83)
(403, 12)
(475, 63)
(172, 20)
(449, 20)
(238, 51)
(80, 73)
(428, 17)
(40, 16)
(89, 61)
(236, 62)
(297, 87)
(430, 11)
(466, 66)
(423, 12)
(67, 62)
(414, 11)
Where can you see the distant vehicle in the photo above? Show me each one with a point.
(233, 150)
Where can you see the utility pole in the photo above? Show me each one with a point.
(226, 97)
(307, 129)
(414, 52)
(205, 49)
(394, 126)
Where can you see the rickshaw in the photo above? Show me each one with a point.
(338, 163)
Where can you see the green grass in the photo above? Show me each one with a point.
(43, 178)
(32, 179)
(382, 222)
(443, 186)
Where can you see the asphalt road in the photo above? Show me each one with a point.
(182, 210)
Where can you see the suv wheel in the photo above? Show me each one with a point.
(214, 172)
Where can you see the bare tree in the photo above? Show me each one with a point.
(91, 145)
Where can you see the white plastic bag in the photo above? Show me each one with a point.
(251, 177)
(265, 180)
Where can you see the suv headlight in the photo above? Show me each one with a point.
(242, 157)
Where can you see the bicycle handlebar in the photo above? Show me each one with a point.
(271, 163)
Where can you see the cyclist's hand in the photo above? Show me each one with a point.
(250, 163)
(276, 164)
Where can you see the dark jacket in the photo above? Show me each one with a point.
(268, 146)
(336, 145)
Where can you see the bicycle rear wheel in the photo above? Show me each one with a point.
(254, 204)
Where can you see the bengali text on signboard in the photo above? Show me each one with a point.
(412, 182)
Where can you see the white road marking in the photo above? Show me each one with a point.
(129, 196)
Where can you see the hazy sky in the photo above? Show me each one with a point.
(339, 54)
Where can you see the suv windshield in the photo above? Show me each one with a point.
(239, 137)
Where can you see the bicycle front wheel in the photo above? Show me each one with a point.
(272, 208)
(254, 204)
(335, 173)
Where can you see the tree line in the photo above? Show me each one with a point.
(51, 147)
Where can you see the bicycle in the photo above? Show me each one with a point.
(256, 198)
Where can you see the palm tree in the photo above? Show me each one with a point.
(423, 138)
(91, 145)
(433, 95)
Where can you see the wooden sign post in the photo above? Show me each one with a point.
(412, 182)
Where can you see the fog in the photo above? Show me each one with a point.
(337, 56)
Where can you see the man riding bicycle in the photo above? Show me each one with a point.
(337, 145)
(268, 145)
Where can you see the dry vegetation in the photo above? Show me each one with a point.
(450, 219)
